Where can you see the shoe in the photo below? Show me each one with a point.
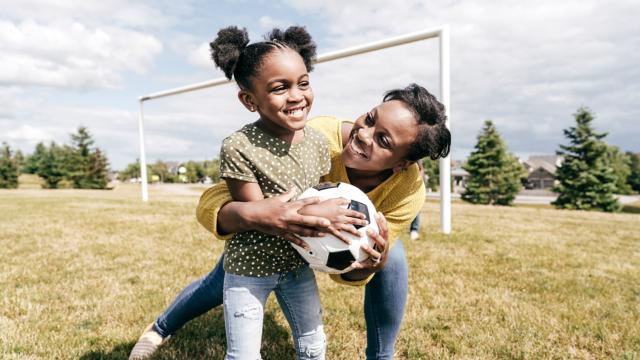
(147, 344)
(414, 235)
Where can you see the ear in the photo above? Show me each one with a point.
(402, 165)
(246, 99)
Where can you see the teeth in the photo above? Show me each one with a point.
(295, 111)
(356, 148)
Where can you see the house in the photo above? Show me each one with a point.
(542, 171)
(458, 176)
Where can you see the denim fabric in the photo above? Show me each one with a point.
(384, 303)
(383, 316)
(196, 299)
(297, 294)
(415, 224)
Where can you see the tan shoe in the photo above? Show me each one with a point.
(147, 344)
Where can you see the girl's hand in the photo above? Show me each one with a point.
(378, 253)
(279, 216)
(341, 218)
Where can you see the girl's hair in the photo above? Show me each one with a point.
(233, 54)
(434, 139)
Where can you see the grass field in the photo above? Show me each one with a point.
(83, 272)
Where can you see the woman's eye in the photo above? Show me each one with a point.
(383, 141)
(368, 120)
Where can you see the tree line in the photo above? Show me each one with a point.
(160, 171)
(590, 174)
(77, 165)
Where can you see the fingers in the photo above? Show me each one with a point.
(383, 228)
(304, 231)
(339, 234)
(285, 197)
(296, 240)
(348, 229)
(310, 221)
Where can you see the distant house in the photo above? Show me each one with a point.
(542, 171)
(458, 176)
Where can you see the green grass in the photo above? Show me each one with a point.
(83, 272)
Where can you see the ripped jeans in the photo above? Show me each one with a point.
(297, 294)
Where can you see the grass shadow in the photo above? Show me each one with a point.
(631, 208)
(204, 338)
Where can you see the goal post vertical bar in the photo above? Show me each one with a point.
(445, 163)
(143, 160)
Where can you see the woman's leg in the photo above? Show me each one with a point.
(384, 302)
(299, 299)
(244, 299)
(196, 299)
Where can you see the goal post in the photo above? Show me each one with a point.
(442, 33)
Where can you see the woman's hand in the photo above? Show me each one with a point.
(377, 254)
(341, 218)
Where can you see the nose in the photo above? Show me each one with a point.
(364, 135)
(295, 94)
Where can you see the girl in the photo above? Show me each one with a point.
(266, 158)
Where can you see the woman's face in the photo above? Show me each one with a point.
(380, 139)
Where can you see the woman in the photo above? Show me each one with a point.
(376, 153)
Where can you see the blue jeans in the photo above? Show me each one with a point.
(385, 299)
(415, 224)
(297, 294)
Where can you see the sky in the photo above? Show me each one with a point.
(526, 65)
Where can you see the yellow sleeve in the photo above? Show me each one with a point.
(211, 201)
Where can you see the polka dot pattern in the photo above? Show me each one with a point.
(252, 155)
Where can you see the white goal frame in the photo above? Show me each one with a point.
(442, 33)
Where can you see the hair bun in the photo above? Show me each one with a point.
(227, 47)
(298, 39)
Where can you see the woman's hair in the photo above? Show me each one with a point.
(233, 54)
(434, 139)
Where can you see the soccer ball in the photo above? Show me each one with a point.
(328, 253)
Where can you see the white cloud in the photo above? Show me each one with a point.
(68, 54)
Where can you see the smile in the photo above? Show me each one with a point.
(297, 111)
(355, 148)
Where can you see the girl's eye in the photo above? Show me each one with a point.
(279, 89)
(304, 85)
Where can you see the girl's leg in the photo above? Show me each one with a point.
(384, 302)
(298, 296)
(244, 299)
(196, 299)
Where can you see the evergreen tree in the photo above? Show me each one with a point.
(20, 160)
(9, 169)
(585, 182)
(52, 166)
(495, 175)
(620, 163)
(634, 175)
(88, 168)
(33, 161)
(432, 172)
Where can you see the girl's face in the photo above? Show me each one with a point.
(381, 138)
(280, 92)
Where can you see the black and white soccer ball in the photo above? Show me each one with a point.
(328, 253)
